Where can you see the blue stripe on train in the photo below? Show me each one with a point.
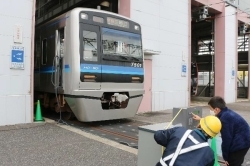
(108, 69)
(49, 69)
(66, 68)
(95, 68)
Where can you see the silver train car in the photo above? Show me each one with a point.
(89, 63)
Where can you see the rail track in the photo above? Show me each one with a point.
(124, 131)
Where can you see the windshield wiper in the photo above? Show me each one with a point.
(123, 57)
(89, 42)
(115, 57)
(135, 58)
(118, 55)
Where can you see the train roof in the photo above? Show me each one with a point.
(79, 9)
(101, 11)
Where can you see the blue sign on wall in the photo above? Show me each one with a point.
(183, 69)
(233, 73)
(17, 57)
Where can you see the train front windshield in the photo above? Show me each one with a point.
(113, 53)
(121, 43)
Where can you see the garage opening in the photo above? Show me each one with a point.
(46, 11)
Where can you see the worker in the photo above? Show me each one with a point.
(188, 147)
(235, 132)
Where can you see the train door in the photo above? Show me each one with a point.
(58, 60)
(90, 65)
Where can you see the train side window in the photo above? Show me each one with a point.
(37, 52)
(44, 52)
(90, 46)
(61, 42)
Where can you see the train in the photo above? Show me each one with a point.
(89, 64)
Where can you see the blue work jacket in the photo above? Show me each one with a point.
(235, 132)
(170, 139)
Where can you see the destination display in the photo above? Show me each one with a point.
(117, 22)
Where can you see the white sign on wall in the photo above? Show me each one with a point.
(18, 34)
(17, 57)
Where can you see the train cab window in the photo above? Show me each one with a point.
(122, 43)
(44, 52)
(90, 46)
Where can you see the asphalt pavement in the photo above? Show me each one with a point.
(53, 144)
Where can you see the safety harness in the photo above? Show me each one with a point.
(179, 149)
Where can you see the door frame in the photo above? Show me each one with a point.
(146, 103)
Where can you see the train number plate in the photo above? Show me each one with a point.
(133, 64)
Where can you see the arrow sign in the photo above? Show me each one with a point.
(17, 57)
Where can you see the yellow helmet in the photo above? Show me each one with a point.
(211, 125)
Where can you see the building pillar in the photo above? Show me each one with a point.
(190, 53)
(248, 95)
(226, 57)
(124, 8)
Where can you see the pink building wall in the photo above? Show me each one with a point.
(146, 104)
(219, 54)
(217, 5)
(124, 8)
(226, 55)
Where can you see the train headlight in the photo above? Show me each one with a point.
(137, 27)
(84, 16)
